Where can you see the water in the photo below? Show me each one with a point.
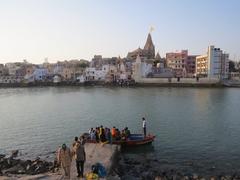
(197, 129)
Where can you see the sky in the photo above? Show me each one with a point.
(79, 29)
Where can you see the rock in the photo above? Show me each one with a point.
(129, 177)
(158, 178)
(228, 177)
(14, 153)
(212, 168)
(195, 176)
(113, 177)
(18, 169)
(213, 178)
(136, 162)
(2, 156)
(189, 163)
(12, 162)
(147, 176)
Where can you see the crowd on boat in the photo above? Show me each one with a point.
(105, 134)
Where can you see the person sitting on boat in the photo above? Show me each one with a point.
(90, 131)
(102, 136)
(113, 132)
(123, 135)
(101, 130)
(108, 135)
(92, 135)
(118, 135)
(97, 134)
(127, 132)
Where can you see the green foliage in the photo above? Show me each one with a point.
(232, 66)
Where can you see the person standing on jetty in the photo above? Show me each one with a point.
(64, 158)
(144, 126)
(80, 157)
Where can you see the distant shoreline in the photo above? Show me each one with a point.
(97, 84)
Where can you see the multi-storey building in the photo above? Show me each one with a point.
(202, 66)
(182, 64)
(215, 64)
(177, 62)
(191, 65)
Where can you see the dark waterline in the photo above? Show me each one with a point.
(197, 129)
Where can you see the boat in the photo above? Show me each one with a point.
(133, 140)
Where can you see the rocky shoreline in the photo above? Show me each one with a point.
(11, 165)
(126, 168)
(150, 169)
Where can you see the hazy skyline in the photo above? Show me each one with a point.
(74, 29)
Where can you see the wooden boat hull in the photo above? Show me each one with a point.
(134, 140)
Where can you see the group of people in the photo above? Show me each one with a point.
(101, 134)
(76, 152)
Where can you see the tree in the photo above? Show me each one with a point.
(232, 66)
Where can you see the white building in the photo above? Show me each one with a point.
(92, 74)
(213, 65)
(12, 68)
(57, 79)
(29, 78)
(81, 78)
(141, 69)
(40, 74)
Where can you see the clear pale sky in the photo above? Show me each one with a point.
(74, 29)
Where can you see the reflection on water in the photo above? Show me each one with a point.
(194, 126)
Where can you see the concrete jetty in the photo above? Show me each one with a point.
(105, 154)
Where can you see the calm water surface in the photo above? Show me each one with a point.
(197, 129)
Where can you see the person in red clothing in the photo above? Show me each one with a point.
(113, 132)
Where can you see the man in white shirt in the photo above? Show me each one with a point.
(144, 127)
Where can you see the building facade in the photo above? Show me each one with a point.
(215, 64)
(191, 66)
(177, 62)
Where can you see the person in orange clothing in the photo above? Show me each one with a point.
(113, 132)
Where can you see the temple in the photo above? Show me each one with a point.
(147, 52)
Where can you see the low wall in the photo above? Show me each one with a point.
(182, 81)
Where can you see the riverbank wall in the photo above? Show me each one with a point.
(101, 84)
(179, 82)
(141, 82)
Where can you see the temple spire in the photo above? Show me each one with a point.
(158, 57)
(149, 43)
(149, 47)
